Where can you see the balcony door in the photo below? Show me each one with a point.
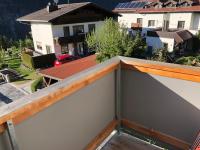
(139, 21)
(80, 48)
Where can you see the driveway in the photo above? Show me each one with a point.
(9, 93)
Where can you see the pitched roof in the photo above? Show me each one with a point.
(173, 9)
(195, 8)
(179, 36)
(70, 68)
(43, 16)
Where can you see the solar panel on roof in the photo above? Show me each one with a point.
(131, 5)
(119, 5)
(123, 4)
(140, 5)
(128, 5)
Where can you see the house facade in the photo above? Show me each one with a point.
(167, 18)
(62, 29)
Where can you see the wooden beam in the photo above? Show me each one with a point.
(156, 134)
(102, 136)
(164, 70)
(33, 108)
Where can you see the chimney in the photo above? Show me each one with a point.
(52, 7)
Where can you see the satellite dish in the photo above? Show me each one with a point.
(56, 1)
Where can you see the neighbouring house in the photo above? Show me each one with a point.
(170, 24)
(62, 28)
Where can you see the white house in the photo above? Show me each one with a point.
(169, 24)
(62, 28)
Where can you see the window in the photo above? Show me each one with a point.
(181, 24)
(66, 31)
(166, 24)
(39, 45)
(48, 48)
(64, 49)
(139, 21)
(151, 23)
(91, 27)
(78, 29)
(165, 45)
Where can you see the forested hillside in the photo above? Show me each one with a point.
(12, 9)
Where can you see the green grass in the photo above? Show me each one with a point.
(27, 75)
(13, 63)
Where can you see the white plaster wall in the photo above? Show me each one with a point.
(195, 24)
(129, 18)
(42, 32)
(58, 29)
(156, 42)
(45, 33)
(175, 17)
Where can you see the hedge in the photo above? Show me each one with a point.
(35, 62)
(44, 61)
(190, 60)
(27, 60)
(36, 84)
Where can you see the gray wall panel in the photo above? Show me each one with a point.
(73, 122)
(171, 106)
(4, 142)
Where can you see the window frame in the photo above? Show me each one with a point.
(150, 22)
(182, 24)
(140, 20)
(66, 34)
(50, 50)
(93, 28)
(76, 26)
(39, 45)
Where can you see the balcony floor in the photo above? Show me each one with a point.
(127, 142)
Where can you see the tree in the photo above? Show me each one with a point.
(160, 55)
(138, 48)
(111, 40)
(4, 43)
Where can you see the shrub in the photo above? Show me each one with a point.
(112, 39)
(160, 55)
(27, 60)
(192, 61)
(37, 84)
(44, 61)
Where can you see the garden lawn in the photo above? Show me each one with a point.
(27, 75)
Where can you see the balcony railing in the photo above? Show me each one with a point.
(156, 99)
(136, 25)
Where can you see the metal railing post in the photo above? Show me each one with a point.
(118, 97)
(11, 134)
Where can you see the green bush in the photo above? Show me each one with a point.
(44, 61)
(192, 61)
(37, 84)
(27, 60)
(111, 39)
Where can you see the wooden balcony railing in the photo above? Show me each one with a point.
(136, 25)
(156, 99)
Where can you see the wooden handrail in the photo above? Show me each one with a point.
(32, 108)
(156, 134)
(167, 70)
(164, 69)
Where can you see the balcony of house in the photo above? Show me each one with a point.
(136, 26)
(121, 104)
(74, 45)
